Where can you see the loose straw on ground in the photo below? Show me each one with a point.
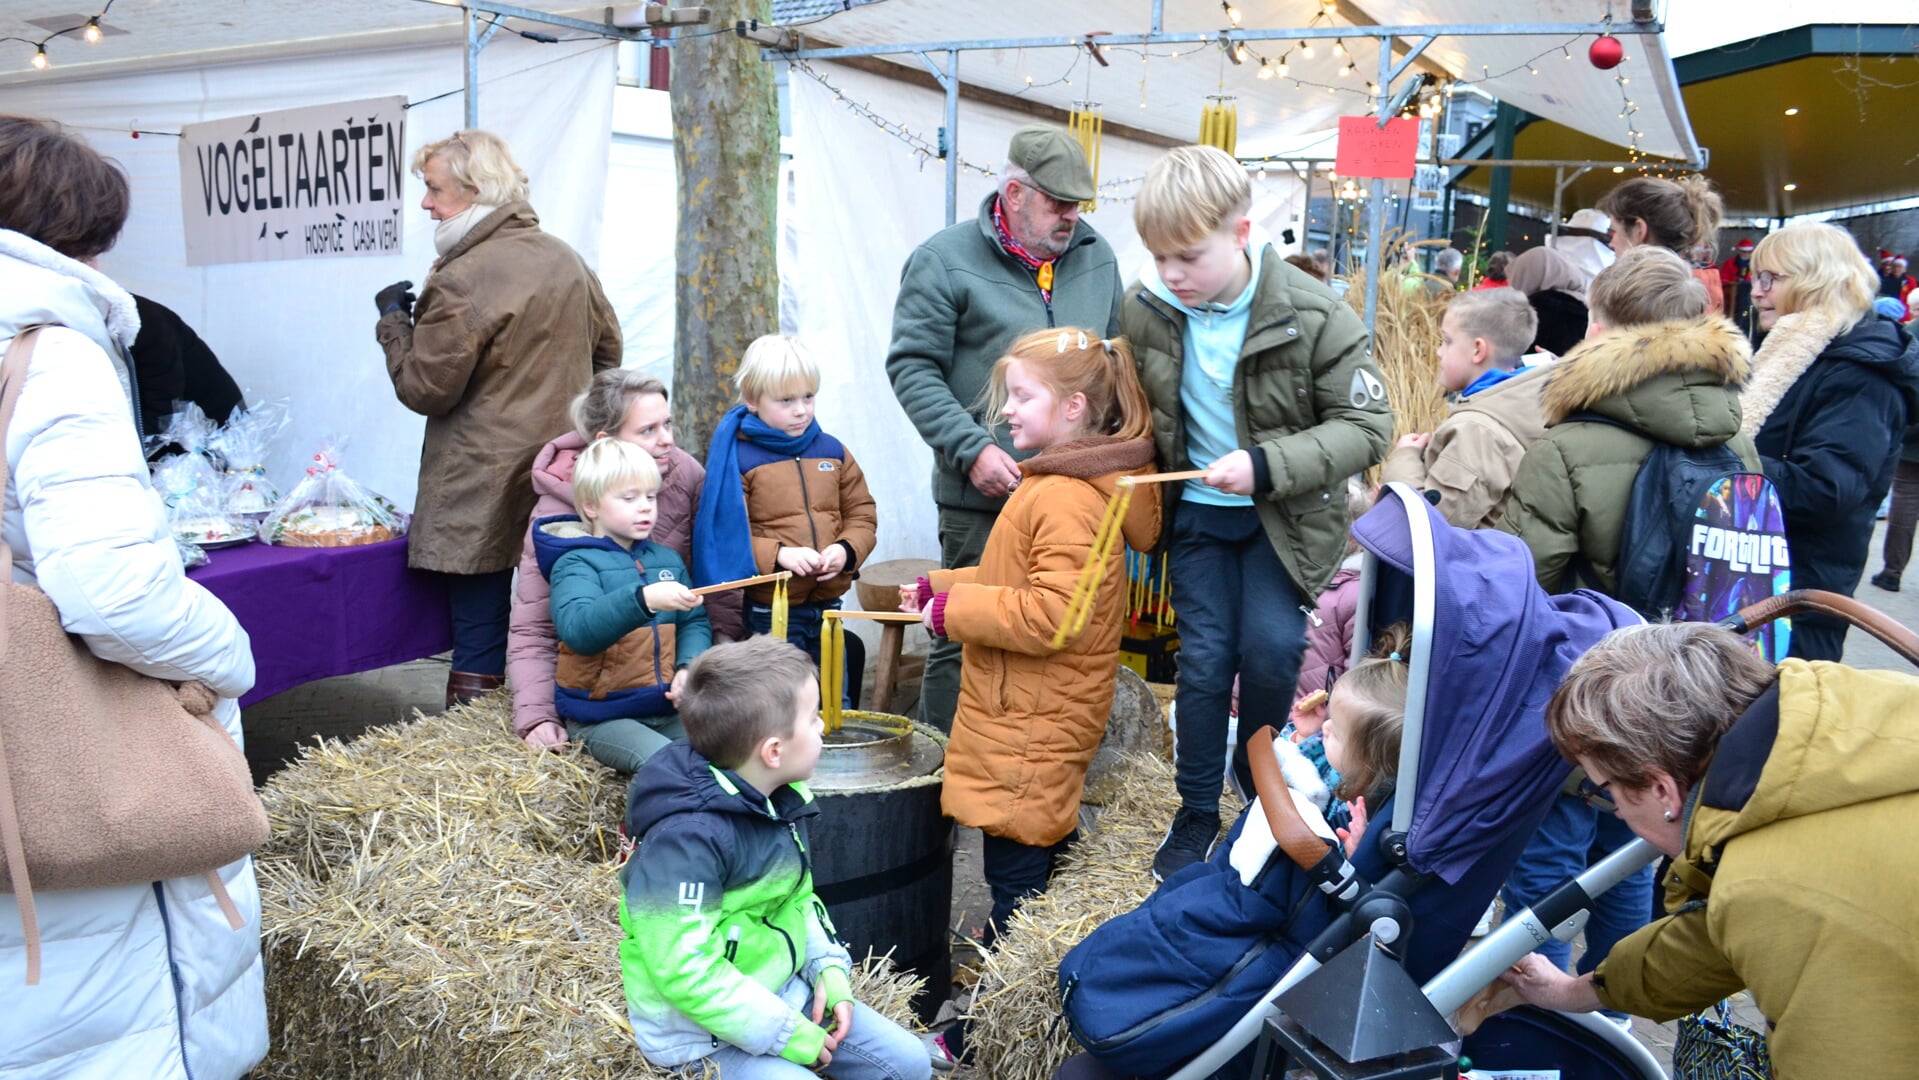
(440, 900)
(1017, 1033)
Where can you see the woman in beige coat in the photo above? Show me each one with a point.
(509, 326)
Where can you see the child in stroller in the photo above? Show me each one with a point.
(1147, 990)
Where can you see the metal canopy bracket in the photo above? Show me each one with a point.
(948, 78)
(478, 37)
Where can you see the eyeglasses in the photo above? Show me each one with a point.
(1764, 279)
(1597, 796)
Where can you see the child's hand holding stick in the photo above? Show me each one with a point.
(740, 583)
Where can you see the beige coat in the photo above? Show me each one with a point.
(510, 325)
(1474, 455)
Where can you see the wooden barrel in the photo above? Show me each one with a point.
(883, 866)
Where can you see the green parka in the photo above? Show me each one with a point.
(1796, 879)
(1677, 382)
(1308, 402)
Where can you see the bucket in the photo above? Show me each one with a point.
(882, 850)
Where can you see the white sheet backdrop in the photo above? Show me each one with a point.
(304, 330)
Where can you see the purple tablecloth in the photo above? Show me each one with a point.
(317, 612)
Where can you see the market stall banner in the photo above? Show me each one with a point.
(297, 184)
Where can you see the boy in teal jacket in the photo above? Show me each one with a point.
(627, 623)
(728, 954)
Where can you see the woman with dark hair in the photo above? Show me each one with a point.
(1675, 215)
(1557, 291)
(1496, 266)
(1788, 800)
(145, 979)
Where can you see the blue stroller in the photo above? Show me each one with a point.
(1322, 959)
(1202, 962)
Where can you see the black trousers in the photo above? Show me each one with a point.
(1015, 871)
(481, 605)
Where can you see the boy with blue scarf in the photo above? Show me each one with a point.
(781, 494)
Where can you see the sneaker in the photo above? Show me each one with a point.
(1189, 839)
(1888, 582)
(1485, 924)
(942, 1058)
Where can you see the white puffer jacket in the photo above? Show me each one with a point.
(137, 980)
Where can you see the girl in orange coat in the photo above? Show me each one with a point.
(1031, 714)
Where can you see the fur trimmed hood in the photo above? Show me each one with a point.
(1676, 381)
(1091, 458)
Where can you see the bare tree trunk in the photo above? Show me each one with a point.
(726, 143)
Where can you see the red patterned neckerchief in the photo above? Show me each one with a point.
(1042, 271)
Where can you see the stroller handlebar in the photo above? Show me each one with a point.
(1817, 601)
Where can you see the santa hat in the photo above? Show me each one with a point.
(1746, 245)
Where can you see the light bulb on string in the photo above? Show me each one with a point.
(1265, 70)
(1232, 14)
(92, 33)
(1346, 69)
(1339, 47)
(40, 58)
(1306, 49)
(1281, 69)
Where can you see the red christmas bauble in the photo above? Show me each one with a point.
(1606, 52)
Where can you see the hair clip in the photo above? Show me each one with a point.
(1107, 345)
(1065, 337)
(1398, 657)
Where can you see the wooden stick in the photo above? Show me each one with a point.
(741, 583)
(877, 616)
(1166, 477)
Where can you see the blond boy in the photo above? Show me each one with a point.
(1470, 460)
(1261, 376)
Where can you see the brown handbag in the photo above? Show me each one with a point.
(107, 776)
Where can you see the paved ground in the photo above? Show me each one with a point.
(345, 706)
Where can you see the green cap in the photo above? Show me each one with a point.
(1054, 161)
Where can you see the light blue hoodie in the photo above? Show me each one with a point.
(1211, 343)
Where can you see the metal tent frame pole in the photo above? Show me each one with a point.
(1376, 212)
(477, 38)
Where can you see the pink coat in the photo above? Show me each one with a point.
(1329, 633)
(531, 645)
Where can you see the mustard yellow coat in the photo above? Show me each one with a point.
(1804, 845)
(1030, 717)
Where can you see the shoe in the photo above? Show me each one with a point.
(942, 1058)
(1485, 925)
(464, 686)
(1189, 839)
(1888, 582)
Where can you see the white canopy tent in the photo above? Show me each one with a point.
(854, 199)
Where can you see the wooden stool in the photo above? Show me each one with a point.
(879, 590)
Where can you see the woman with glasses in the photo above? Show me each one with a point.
(1834, 385)
(1788, 800)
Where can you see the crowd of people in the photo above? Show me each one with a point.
(1049, 389)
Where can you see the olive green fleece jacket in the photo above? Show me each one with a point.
(962, 303)
(1308, 403)
(1676, 382)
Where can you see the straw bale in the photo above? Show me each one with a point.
(1017, 1032)
(440, 901)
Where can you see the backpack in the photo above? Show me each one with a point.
(1702, 538)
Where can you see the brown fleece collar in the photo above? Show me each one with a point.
(1621, 359)
(1090, 458)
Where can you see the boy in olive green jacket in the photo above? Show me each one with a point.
(1262, 376)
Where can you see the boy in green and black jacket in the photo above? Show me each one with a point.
(728, 954)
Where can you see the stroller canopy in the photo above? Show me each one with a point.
(1499, 648)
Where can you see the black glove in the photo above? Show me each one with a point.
(396, 297)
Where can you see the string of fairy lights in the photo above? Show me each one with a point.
(1429, 103)
(90, 32)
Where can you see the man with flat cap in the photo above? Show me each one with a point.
(1026, 263)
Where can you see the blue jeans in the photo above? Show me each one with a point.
(481, 605)
(875, 1048)
(1572, 837)
(1239, 614)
